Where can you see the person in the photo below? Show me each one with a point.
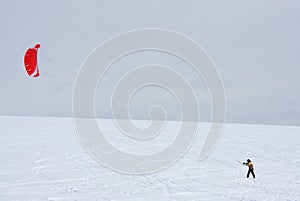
(251, 168)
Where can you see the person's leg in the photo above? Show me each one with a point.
(248, 173)
(252, 172)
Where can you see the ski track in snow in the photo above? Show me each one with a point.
(43, 159)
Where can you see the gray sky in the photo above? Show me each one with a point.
(254, 44)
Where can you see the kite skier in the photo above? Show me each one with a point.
(251, 168)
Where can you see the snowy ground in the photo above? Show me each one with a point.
(42, 159)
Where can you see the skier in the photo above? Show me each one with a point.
(251, 168)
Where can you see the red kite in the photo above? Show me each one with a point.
(31, 61)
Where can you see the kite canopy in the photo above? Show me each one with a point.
(31, 61)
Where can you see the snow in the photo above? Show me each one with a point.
(43, 159)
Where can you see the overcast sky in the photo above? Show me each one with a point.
(255, 46)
